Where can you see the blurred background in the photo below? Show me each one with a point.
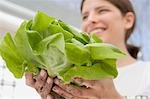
(13, 12)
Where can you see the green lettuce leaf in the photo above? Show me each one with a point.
(101, 51)
(95, 72)
(47, 43)
(9, 52)
(77, 54)
(41, 22)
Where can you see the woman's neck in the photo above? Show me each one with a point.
(128, 59)
(125, 61)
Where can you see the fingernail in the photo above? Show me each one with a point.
(49, 80)
(54, 89)
(42, 73)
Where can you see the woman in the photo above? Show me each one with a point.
(113, 21)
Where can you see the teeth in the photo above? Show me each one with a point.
(97, 30)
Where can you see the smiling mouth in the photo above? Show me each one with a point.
(98, 30)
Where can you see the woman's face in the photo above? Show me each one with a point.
(106, 20)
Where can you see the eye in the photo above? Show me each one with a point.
(100, 11)
(84, 17)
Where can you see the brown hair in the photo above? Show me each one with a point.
(124, 6)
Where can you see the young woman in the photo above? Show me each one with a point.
(113, 21)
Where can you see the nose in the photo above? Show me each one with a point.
(92, 18)
(90, 22)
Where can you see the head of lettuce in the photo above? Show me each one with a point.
(47, 43)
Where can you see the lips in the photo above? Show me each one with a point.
(97, 30)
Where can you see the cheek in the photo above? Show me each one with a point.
(106, 38)
(116, 26)
(83, 27)
(114, 34)
(109, 38)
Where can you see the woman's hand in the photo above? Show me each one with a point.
(42, 83)
(93, 89)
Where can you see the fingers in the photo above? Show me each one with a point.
(86, 83)
(40, 80)
(42, 83)
(62, 93)
(73, 90)
(29, 79)
(46, 88)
